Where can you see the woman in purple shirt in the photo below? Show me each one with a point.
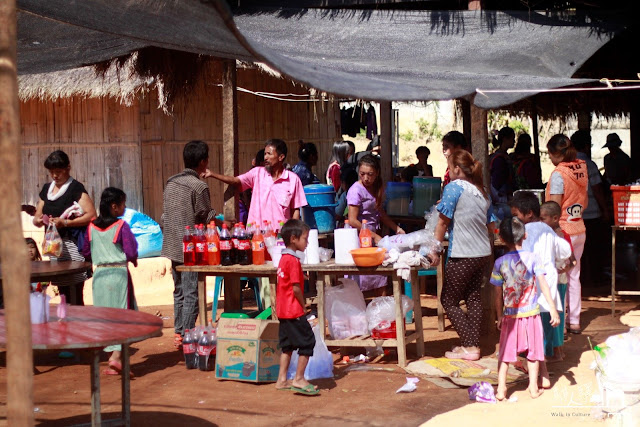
(365, 199)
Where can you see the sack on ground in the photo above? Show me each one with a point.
(345, 310)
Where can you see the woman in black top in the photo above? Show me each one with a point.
(55, 198)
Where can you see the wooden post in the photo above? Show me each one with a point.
(385, 141)
(480, 140)
(13, 252)
(466, 119)
(634, 135)
(230, 131)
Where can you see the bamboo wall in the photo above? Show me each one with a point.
(137, 148)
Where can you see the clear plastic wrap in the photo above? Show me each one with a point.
(345, 310)
(383, 309)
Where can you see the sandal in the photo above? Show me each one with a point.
(576, 331)
(308, 390)
(177, 341)
(462, 353)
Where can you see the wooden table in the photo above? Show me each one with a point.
(330, 268)
(614, 230)
(232, 290)
(47, 271)
(93, 328)
(323, 271)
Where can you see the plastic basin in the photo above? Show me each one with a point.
(368, 257)
(319, 194)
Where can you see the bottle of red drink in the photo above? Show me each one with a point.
(225, 246)
(213, 244)
(188, 247)
(235, 242)
(244, 247)
(201, 246)
(365, 235)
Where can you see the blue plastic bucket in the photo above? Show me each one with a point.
(398, 197)
(426, 192)
(319, 194)
(322, 218)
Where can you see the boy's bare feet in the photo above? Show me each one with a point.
(535, 393)
(302, 384)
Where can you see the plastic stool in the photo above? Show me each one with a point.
(217, 290)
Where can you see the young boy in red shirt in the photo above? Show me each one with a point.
(295, 332)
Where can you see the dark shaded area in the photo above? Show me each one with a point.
(137, 418)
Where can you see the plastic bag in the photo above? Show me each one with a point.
(482, 392)
(52, 244)
(320, 364)
(383, 309)
(408, 242)
(345, 310)
(146, 231)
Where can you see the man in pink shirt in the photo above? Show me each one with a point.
(277, 193)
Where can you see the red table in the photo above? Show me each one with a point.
(93, 328)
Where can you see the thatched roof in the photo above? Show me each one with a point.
(120, 83)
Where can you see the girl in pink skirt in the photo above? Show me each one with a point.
(514, 276)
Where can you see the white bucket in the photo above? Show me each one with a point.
(617, 396)
(345, 240)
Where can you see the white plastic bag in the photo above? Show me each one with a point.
(345, 310)
(408, 242)
(383, 309)
(320, 364)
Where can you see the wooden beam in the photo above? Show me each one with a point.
(385, 141)
(480, 140)
(13, 250)
(230, 131)
(634, 135)
(466, 119)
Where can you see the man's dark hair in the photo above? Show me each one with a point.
(512, 231)
(581, 139)
(57, 160)
(279, 145)
(526, 202)
(195, 152)
(423, 149)
(293, 227)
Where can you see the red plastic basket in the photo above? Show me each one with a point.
(626, 204)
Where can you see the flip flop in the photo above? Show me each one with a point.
(284, 389)
(463, 354)
(117, 368)
(110, 371)
(177, 341)
(308, 390)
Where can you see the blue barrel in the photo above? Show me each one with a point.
(398, 197)
(320, 211)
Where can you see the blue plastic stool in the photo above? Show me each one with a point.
(407, 289)
(217, 291)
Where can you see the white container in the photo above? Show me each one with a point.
(345, 240)
(39, 306)
(276, 254)
(312, 253)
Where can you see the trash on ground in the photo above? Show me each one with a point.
(409, 386)
(482, 392)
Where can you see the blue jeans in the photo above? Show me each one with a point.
(185, 299)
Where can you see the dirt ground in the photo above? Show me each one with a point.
(163, 392)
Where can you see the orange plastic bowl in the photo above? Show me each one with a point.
(368, 257)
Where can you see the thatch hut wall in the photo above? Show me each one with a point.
(138, 147)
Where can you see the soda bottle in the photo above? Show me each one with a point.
(205, 363)
(365, 235)
(257, 249)
(188, 247)
(201, 246)
(244, 247)
(213, 244)
(189, 349)
(225, 246)
(248, 234)
(235, 242)
(346, 224)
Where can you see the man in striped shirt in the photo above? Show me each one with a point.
(186, 202)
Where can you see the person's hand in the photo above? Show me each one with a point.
(58, 222)
(555, 318)
(399, 230)
(206, 174)
(499, 323)
(434, 258)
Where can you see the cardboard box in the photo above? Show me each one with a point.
(247, 350)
